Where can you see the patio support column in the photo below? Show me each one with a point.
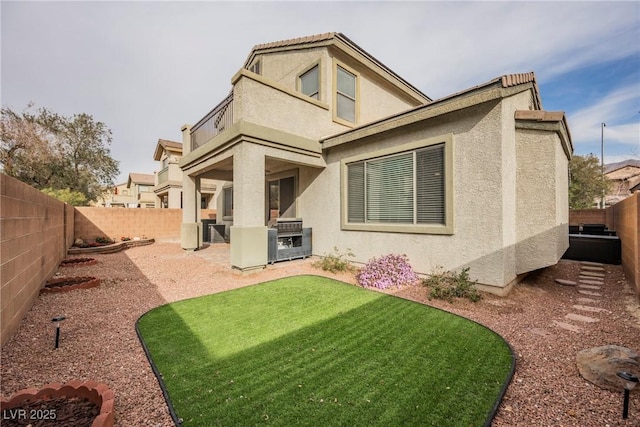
(248, 234)
(174, 198)
(190, 234)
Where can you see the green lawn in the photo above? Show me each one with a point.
(311, 351)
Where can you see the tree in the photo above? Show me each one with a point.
(586, 183)
(74, 198)
(48, 150)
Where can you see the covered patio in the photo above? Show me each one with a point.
(264, 173)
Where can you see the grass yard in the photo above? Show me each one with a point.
(311, 351)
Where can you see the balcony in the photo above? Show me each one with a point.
(163, 175)
(215, 122)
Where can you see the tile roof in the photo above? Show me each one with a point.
(142, 178)
(539, 115)
(611, 167)
(162, 145)
(327, 37)
(505, 81)
(172, 144)
(509, 80)
(296, 41)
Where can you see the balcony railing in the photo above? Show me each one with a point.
(163, 175)
(216, 121)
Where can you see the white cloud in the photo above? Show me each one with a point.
(614, 109)
(146, 68)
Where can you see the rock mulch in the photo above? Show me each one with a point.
(98, 340)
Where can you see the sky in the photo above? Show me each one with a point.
(146, 68)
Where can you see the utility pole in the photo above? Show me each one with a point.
(602, 126)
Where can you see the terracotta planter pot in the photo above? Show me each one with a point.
(99, 394)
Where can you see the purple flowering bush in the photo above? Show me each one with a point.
(387, 271)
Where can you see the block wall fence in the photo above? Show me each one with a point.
(159, 224)
(36, 230)
(624, 217)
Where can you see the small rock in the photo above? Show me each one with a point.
(599, 365)
(566, 282)
(592, 273)
(591, 282)
(592, 268)
(595, 288)
(593, 294)
(581, 318)
(589, 308)
(567, 326)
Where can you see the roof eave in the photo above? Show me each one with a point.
(497, 88)
(346, 45)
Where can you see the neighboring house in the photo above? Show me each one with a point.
(317, 128)
(624, 176)
(140, 186)
(168, 181)
(116, 197)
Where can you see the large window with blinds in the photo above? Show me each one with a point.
(406, 189)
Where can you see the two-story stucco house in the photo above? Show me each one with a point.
(318, 129)
(168, 180)
(134, 193)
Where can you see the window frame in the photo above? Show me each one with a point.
(447, 228)
(307, 70)
(335, 93)
(256, 67)
(226, 191)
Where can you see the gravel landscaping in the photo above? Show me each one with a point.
(540, 319)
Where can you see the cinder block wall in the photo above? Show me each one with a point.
(159, 224)
(587, 216)
(626, 221)
(35, 233)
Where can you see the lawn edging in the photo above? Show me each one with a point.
(491, 415)
(156, 372)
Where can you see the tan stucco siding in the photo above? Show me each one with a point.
(478, 241)
(274, 98)
(377, 97)
(542, 195)
(264, 105)
(285, 67)
(536, 200)
(509, 165)
(542, 200)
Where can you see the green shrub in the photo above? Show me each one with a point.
(335, 261)
(448, 285)
(104, 240)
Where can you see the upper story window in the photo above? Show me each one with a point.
(256, 67)
(310, 82)
(345, 94)
(165, 162)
